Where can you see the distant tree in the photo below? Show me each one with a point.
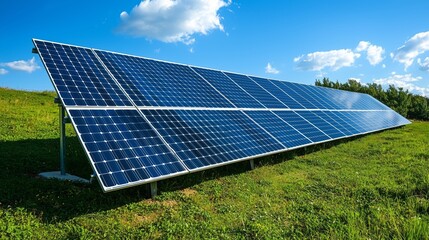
(353, 85)
(419, 108)
(398, 99)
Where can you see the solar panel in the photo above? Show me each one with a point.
(299, 97)
(156, 83)
(262, 95)
(79, 78)
(338, 122)
(202, 138)
(282, 96)
(142, 120)
(328, 128)
(237, 95)
(280, 129)
(123, 148)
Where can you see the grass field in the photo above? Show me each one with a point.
(371, 187)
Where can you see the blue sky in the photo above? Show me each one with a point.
(384, 41)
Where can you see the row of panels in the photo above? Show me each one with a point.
(130, 146)
(86, 77)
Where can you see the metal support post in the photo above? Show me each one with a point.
(62, 140)
(62, 174)
(153, 189)
(252, 164)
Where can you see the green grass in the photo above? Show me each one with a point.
(370, 187)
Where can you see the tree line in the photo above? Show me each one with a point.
(405, 103)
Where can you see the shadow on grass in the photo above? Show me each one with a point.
(56, 201)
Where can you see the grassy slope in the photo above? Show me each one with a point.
(376, 186)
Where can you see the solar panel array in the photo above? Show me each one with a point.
(142, 120)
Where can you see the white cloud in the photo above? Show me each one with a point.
(3, 71)
(22, 65)
(362, 46)
(271, 70)
(424, 65)
(406, 81)
(334, 59)
(374, 53)
(173, 20)
(412, 48)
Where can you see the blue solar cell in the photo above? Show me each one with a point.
(229, 89)
(79, 77)
(321, 99)
(263, 96)
(395, 119)
(352, 100)
(156, 83)
(122, 147)
(203, 138)
(280, 95)
(281, 130)
(303, 126)
(339, 122)
(356, 119)
(369, 103)
(299, 97)
(323, 124)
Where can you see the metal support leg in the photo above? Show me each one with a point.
(153, 189)
(62, 175)
(252, 164)
(62, 140)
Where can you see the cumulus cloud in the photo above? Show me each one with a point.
(173, 20)
(412, 48)
(405, 81)
(22, 65)
(424, 65)
(271, 70)
(3, 71)
(374, 53)
(362, 46)
(334, 59)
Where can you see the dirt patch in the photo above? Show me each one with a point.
(189, 192)
(136, 220)
(169, 203)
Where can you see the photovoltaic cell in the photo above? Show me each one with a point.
(338, 122)
(328, 128)
(202, 138)
(281, 130)
(79, 77)
(256, 91)
(122, 147)
(280, 95)
(156, 83)
(302, 99)
(303, 126)
(228, 88)
(321, 101)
